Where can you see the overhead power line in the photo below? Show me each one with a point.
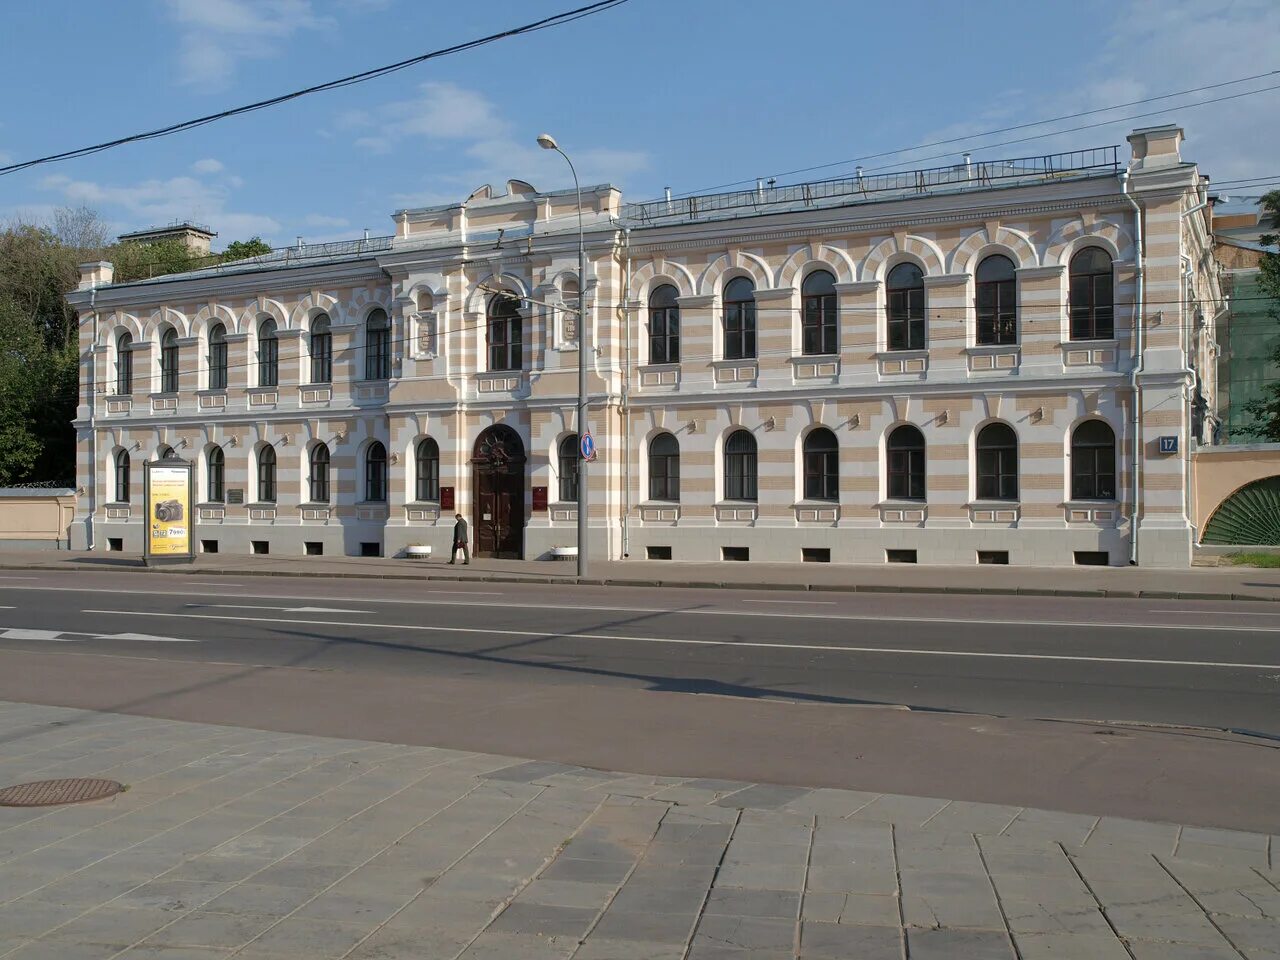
(559, 19)
(1009, 129)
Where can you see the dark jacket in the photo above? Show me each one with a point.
(460, 532)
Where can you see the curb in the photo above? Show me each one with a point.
(569, 581)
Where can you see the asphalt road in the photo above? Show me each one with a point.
(746, 684)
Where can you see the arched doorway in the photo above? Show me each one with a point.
(497, 466)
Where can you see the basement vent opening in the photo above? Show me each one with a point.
(735, 553)
(115, 544)
(900, 556)
(993, 556)
(259, 546)
(1092, 558)
(370, 549)
(657, 553)
(815, 554)
(208, 546)
(314, 548)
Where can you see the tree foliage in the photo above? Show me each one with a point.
(1265, 410)
(39, 340)
(242, 249)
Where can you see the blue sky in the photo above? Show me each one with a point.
(685, 93)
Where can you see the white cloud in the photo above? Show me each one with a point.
(157, 201)
(324, 220)
(1154, 47)
(468, 123)
(215, 35)
(208, 165)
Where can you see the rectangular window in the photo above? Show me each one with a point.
(815, 554)
(505, 348)
(217, 366)
(169, 369)
(1092, 558)
(997, 474)
(906, 474)
(124, 372)
(997, 313)
(319, 481)
(375, 480)
(906, 319)
(993, 556)
(1092, 311)
(740, 331)
(735, 553)
(818, 327)
(321, 358)
(377, 357)
(900, 556)
(664, 336)
(657, 553)
(269, 362)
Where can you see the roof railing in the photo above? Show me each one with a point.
(862, 187)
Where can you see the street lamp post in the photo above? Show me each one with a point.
(548, 142)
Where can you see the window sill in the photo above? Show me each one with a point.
(902, 354)
(981, 349)
(740, 361)
(1091, 504)
(893, 504)
(1100, 342)
(815, 358)
(994, 504)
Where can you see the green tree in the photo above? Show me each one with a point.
(240, 249)
(1265, 410)
(142, 261)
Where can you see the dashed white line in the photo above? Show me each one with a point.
(761, 644)
(806, 603)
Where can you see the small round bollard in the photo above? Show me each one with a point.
(50, 793)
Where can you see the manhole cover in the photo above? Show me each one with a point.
(47, 793)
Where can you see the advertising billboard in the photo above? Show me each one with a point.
(168, 535)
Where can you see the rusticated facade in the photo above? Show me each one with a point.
(939, 365)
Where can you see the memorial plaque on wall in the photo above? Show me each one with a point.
(540, 499)
(235, 496)
(446, 498)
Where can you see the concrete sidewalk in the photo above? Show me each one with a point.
(1197, 583)
(240, 843)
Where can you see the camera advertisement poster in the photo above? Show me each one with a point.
(168, 510)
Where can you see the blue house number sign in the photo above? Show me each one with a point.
(1168, 444)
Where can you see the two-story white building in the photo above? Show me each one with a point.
(942, 365)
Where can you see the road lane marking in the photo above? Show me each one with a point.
(1083, 624)
(1220, 613)
(19, 578)
(79, 636)
(212, 583)
(762, 644)
(253, 606)
(804, 602)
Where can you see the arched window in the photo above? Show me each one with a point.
(1090, 300)
(217, 357)
(1093, 462)
(905, 449)
(165, 453)
(567, 463)
(216, 476)
(375, 473)
(664, 468)
(169, 361)
(821, 465)
(905, 307)
(997, 462)
(122, 477)
(124, 364)
(268, 354)
(664, 325)
(318, 474)
(818, 331)
(267, 475)
(427, 463)
(739, 319)
(570, 317)
(377, 346)
(997, 301)
(321, 349)
(505, 333)
(740, 466)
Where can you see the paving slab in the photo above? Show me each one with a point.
(275, 846)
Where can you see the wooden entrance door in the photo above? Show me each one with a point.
(498, 467)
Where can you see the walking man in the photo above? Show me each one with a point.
(460, 541)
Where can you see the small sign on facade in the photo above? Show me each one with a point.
(446, 498)
(1169, 444)
(235, 495)
(539, 499)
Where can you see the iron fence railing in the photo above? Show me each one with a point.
(975, 175)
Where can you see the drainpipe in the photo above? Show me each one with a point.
(626, 392)
(93, 433)
(1135, 483)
